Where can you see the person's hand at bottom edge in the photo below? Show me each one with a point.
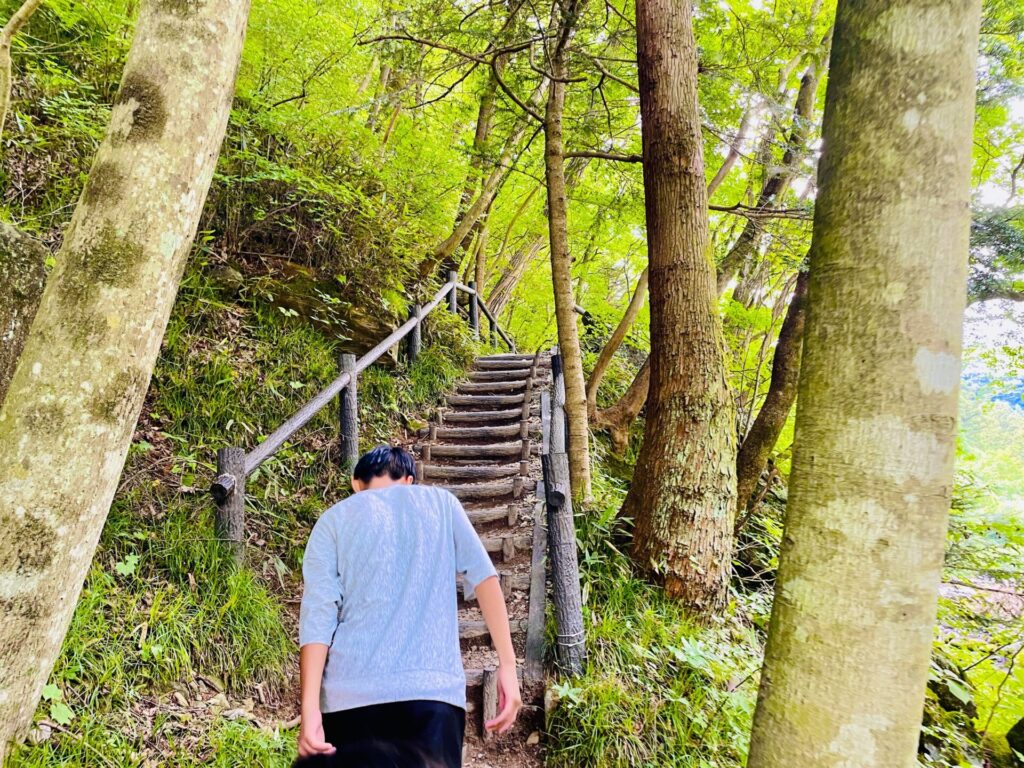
(311, 737)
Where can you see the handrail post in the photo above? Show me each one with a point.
(565, 576)
(474, 311)
(348, 408)
(415, 335)
(494, 333)
(453, 297)
(229, 492)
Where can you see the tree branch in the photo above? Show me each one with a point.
(607, 156)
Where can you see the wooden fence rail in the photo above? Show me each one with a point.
(234, 464)
(570, 648)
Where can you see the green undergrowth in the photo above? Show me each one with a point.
(164, 605)
(657, 689)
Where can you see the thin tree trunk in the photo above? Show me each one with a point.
(506, 285)
(619, 418)
(484, 122)
(777, 182)
(22, 277)
(734, 150)
(561, 266)
(851, 630)
(67, 422)
(604, 359)
(682, 497)
(764, 432)
(11, 28)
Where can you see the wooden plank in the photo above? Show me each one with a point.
(467, 472)
(483, 516)
(478, 491)
(494, 450)
(474, 677)
(511, 375)
(496, 542)
(534, 667)
(487, 387)
(474, 433)
(483, 418)
(475, 629)
(498, 364)
(479, 401)
(490, 695)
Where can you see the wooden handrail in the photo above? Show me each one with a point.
(234, 465)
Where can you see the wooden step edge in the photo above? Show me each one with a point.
(508, 513)
(473, 629)
(427, 471)
(534, 665)
(506, 543)
(510, 582)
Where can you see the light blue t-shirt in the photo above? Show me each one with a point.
(379, 574)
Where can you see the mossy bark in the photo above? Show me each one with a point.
(682, 495)
(22, 277)
(851, 629)
(561, 265)
(67, 422)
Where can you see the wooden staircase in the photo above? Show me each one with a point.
(485, 450)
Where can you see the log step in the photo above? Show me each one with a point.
(478, 401)
(476, 629)
(469, 472)
(507, 514)
(518, 582)
(475, 677)
(506, 542)
(474, 433)
(520, 374)
(496, 490)
(482, 417)
(493, 451)
(509, 356)
(496, 364)
(491, 387)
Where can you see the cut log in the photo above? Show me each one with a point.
(467, 472)
(474, 433)
(519, 582)
(482, 417)
(479, 491)
(489, 682)
(475, 629)
(492, 451)
(475, 677)
(534, 668)
(509, 356)
(481, 401)
(493, 387)
(497, 542)
(484, 364)
(520, 374)
(493, 515)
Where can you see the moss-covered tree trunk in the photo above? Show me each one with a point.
(561, 266)
(22, 277)
(757, 446)
(851, 630)
(682, 495)
(67, 422)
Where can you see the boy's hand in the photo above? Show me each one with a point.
(509, 700)
(311, 737)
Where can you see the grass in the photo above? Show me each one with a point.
(163, 605)
(657, 689)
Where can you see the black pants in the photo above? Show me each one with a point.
(401, 734)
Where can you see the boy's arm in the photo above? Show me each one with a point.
(318, 621)
(312, 658)
(492, 605)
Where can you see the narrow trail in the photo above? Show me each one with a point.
(484, 449)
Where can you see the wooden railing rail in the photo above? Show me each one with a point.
(235, 464)
(570, 647)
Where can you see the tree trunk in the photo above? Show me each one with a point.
(22, 277)
(682, 496)
(67, 422)
(561, 271)
(764, 433)
(776, 182)
(851, 630)
(605, 358)
(11, 28)
(619, 418)
(484, 121)
(506, 285)
(734, 149)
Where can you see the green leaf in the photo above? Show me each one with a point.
(61, 713)
(958, 690)
(127, 566)
(52, 693)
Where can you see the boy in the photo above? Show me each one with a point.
(378, 627)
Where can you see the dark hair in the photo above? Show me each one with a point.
(397, 463)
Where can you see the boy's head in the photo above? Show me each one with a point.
(383, 466)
